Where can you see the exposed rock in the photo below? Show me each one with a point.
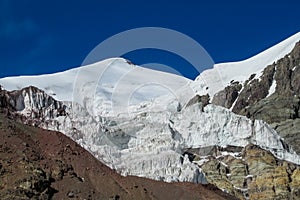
(294, 186)
(227, 97)
(255, 89)
(238, 172)
(254, 174)
(216, 174)
(290, 131)
(203, 100)
(274, 109)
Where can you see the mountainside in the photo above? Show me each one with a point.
(235, 126)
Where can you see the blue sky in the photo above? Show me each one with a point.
(39, 37)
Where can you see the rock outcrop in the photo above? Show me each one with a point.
(227, 97)
(202, 100)
(250, 172)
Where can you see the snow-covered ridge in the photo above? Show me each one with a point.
(58, 85)
(222, 74)
(108, 76)
(103, 87)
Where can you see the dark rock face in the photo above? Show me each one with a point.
(255, 89)
(227, 96)
(288, 73)
(275, 109)
(4, 101)
(203, 100)
(290, 131)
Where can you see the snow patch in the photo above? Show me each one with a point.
(272, 88)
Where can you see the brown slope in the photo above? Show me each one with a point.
(41, 164)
